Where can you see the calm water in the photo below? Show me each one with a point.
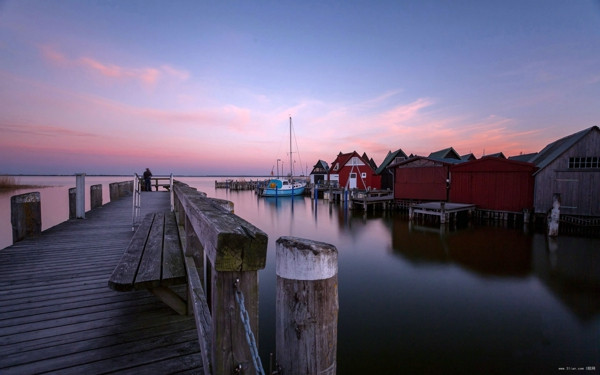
(413, 300)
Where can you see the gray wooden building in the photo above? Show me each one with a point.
(570, 167)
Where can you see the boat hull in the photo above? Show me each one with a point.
(268, 192)
(282, 188)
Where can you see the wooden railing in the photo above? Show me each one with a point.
(229, 251)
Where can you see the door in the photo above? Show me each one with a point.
(352, 181)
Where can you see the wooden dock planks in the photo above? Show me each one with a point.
(57, 314)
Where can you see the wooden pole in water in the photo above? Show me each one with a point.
(26, 215)
(72, 203)
(307, 306)
(80, 196)
(554, 216)
(95, 196)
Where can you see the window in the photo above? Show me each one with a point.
(336, 166)
(363, 175)
(584, 162)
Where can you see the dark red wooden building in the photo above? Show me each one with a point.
(493, 183)
(422, 178)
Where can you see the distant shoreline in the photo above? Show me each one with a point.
(128, 175)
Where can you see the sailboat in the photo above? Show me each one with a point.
(285, 187)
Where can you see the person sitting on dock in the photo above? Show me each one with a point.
(147, 183)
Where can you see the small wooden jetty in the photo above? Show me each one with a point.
(383, 199)
(445, 211)
(59, 316)
(237, 184)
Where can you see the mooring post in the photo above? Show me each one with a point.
(307, 306)
(80, 196)
(554, 216)
(26, 215)
(442, 212)
(72, 202)
(95, 196)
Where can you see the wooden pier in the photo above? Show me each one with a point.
(445, 211)
(57, 314)
(383, 199)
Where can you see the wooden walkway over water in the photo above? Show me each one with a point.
(58, 315)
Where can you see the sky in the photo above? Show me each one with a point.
(208, 87)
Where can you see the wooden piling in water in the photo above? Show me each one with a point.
(307, 306)
(72, 203)
(95, 196)
(80, 196)
(554, 216)
(26, 215)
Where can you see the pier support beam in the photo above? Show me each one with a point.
(80, 196)
(95, 196)
(26, 215)
(307, 306)
(554, 216)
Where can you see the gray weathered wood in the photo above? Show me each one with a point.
(62, 319)
(80, 196)
(72, 203)
(149, 271)
(26, 215)
(235, 250)
(229, 338)
(306, 306)
(95, 196)
(230, 242)
(123, 277)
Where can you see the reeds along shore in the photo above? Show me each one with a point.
(8, 183)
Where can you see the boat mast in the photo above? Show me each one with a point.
(291, 163)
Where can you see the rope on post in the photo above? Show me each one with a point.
(239, 298)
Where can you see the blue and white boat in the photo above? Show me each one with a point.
(284, 187)
(279, 187)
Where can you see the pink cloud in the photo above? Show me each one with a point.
(147, 75)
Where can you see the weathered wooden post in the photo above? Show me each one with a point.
(72, 203)
(95, 196)
(80, 196)
(234, 251)
(442, 212)
(307, 306)
(113, 191)
(554, 216)
(26, 215)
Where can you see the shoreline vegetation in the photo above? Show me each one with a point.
(9, 183)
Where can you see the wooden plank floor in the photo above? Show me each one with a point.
(58, 315)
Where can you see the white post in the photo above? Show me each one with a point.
(80, 195)
(554, 216)
(307, 306)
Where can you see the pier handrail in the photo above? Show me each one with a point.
(234, 249)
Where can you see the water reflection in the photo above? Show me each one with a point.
(487, 251)
(415, 299)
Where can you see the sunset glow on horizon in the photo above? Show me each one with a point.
(205, 88)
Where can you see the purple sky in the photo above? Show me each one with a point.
(198, 87)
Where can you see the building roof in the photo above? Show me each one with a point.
(523, 157)
(497, 155)
(391, 156)
(490, 162)
(468, 157)
(321, 165)
(447, 153)
(413, 159)
(557, 148)
(343, 159)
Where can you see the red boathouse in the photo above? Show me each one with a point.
(493, 183)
